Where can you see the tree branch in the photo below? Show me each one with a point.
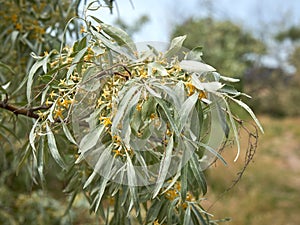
(29, 112)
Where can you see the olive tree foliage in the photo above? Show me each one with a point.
(131, 129)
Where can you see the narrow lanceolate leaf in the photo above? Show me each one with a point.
(120, 36)
(152, 92)
(101, 192)
(68, 134)
(104, 163)
(229, 79)
(126, 129)
(207, 86)
(31, 74)
(175, 46)
(164, 167)
(186, 109)
(198, 214)
(122, 107)
(184, 183)
(76, 59)
(132, 182)
(195, 54)
(198, 174)
(213, 151)
(32, 135)
(53, 148)
(172, 211)
(167, 111)
(248, 109)
(90, 139)
(195, 66)
(187, 216)
(233, 126)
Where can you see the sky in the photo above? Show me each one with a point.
(257, 15)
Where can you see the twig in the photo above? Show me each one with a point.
(29, 112)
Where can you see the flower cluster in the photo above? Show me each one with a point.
(174, 192)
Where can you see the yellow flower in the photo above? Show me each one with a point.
(88, 57)
(202, 95)
(139, 107)
(171, 194)
(62, 82)
(52, 94)
(189, 197)
(143, 73)
(14, 18)
(105, 121)
(18, 26)
(47, 103)
(177, 67)
(156, 222)
(42, 115)
(177, 186)
(117, 153)
(117, 139)
(153, 116)
(65, 103)
(58, 113)
(106, 94)
(168, 132)
(82, 29)
(190, 87)
(99, 28)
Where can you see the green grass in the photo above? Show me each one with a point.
(269, 192)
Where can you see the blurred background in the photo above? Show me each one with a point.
(259, 43)
(255, 41)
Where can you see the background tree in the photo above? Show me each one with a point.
(278, 82)
(226, 45)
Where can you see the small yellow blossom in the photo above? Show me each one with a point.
(99, 28)
(65, 103)
(202, 95)
(156, 222)
(177, 68)
(52, 94)
(18, 26)
(82, 29)
(117, 153)
(153, 116)
(62, 82)
(14, 18)
(106, 94)
(111, 200)
(105, 121)
(88, 57)
(139, 107)
(53, 64)
(189, 197)
(177, 186)
(168, 132)
(143, 73)
(58, 113)
(42, 115)
(190, 87)
(184, 205)
(117, 139)
(48, 103)
(171, 194)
